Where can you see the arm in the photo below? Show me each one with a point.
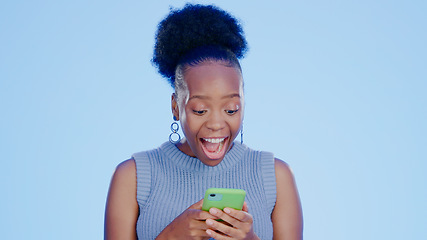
(287, 213)
(121, 212)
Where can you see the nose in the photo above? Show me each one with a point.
(216, 121)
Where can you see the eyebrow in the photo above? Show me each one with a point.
(233, 95)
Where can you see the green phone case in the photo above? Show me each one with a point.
(223, 197)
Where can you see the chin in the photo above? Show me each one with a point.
(211, 163)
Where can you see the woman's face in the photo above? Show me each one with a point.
(213, 111)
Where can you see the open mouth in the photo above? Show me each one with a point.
(214, 148)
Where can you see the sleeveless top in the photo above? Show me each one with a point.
(169, 181)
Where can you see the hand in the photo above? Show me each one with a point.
(189, 225)
(237, 224)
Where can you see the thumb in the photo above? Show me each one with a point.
(197, 205)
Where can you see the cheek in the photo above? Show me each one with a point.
(237, 123)
(190, 126)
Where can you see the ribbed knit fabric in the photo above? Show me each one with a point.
(169, 181)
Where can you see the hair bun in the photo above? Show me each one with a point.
(192, 27)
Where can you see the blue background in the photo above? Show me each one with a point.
(335, 88)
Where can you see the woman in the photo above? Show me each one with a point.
(157, 194)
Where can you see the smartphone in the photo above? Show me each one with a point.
(223, 197)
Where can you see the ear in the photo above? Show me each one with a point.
(175, 108)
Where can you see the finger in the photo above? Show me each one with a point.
(232, 216)
(245, 207)
(241, 216)
(199, 234)
(219, 230)
(198, 224)
(217, 235)
(225, 217)
(200, 215)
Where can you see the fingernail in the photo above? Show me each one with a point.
(227, 210)
(213, 211)
(209, 222)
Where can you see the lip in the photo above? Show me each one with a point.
(215, 155)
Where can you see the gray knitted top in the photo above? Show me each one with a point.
(169, 181)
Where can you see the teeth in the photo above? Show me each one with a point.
(220, 147)
(214, 140)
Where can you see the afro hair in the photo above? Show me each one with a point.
(193, 27)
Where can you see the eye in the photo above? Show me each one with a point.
(199, 112)
(231, 112)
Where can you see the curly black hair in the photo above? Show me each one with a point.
(194, 33)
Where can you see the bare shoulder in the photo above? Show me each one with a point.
(123, 182)
(285, 181)
(124, 177)
(282, 169)
(287, 213)
(126, 169)
(284, 174)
